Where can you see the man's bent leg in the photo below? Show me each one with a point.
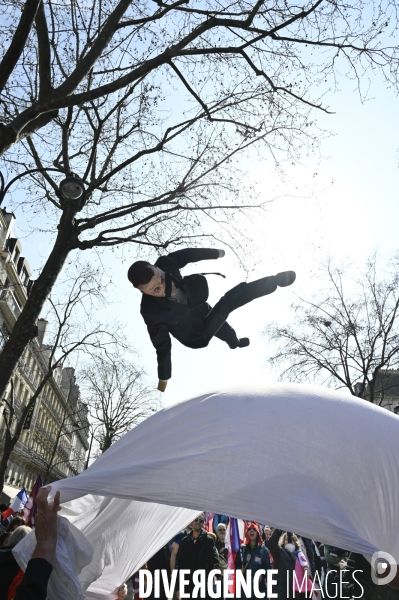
(238, 296)
(242, 294)
(227, 334)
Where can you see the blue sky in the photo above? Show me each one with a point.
(313, 217)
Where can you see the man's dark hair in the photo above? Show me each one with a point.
(3, 507)
(140, 273)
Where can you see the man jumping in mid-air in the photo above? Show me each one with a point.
(176, 305)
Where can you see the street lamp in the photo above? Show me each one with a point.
(72, 188)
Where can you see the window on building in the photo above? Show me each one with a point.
(24, 277)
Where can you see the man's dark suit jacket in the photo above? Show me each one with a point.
(164, 317)
(199, 554)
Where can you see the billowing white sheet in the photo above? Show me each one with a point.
(124, 534)
(308, 459)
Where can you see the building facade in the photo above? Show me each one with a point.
(54, 440)
(386, 390)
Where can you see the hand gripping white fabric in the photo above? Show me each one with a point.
(73, 552)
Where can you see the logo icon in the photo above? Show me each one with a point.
(383, 568)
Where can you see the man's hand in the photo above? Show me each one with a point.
(46, 524)
(162, 385)
(221, 253)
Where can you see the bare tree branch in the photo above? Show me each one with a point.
(18, 42)
(353, 339)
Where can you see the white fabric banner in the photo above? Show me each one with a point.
(308, 459)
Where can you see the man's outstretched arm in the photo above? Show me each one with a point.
(181, 258)
(161, 341)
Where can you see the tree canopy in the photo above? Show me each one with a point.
(154, 105)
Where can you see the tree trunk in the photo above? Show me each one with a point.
(107, 442)
(9, 444)
(25, 328)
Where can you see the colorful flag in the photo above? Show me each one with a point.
(234, 539)
(16, 505)
(208, 525)
(30, 506)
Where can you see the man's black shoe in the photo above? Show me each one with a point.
(285, 278)
(243, 342)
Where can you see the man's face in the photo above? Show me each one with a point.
(198, 523)
(156, 285)
(221, 532)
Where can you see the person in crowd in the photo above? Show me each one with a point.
(310, 552)
(15, 522)
(303, 582)
(197, 550)
(282, 550)
(177, 306)
(3, 507)
(336, 559)
(8, 569)
(34, 581)
(221, 537)
(252, 556)
(319, 561)
(361, 565)
(267, 533)
(175, 547)
(221, 545)
(10, 573)
(159, 561)
(220, 519)
(213, 536)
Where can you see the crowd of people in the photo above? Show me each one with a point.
(305, 568)
(301, 565)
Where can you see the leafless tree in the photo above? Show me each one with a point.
(74, 331)
(153, 104)
(148, 183)
(347, 336)
(117, 396)
(49, 465)
(60, 55)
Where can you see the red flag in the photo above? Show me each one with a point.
(30, 507)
